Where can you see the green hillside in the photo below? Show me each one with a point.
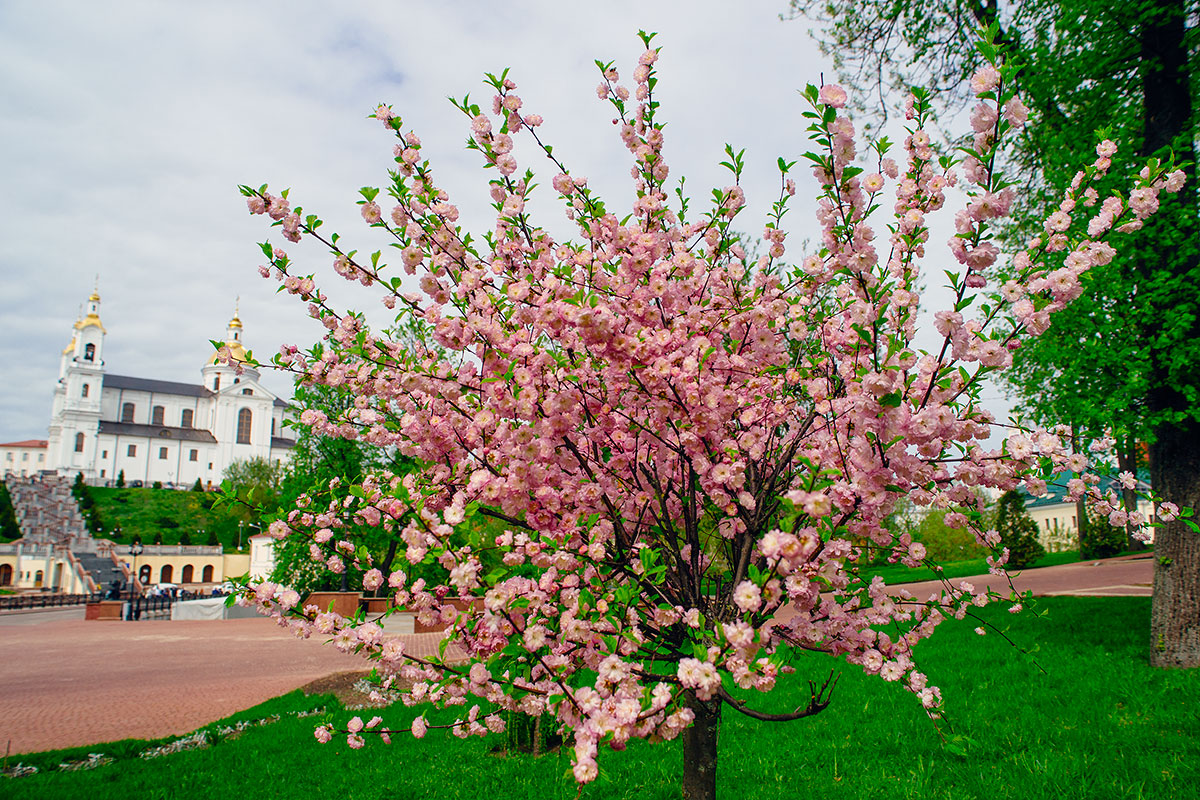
(175, 515)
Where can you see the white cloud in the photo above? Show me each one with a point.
(128, 125)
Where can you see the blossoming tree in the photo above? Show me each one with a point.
(687, 448)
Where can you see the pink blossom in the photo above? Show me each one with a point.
(627, 394)
(986, 79)
(832, 95)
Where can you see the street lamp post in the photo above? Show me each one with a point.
(135, 550)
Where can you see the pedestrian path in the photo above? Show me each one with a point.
(71, 682)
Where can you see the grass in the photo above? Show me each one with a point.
(898, 573)
(147, 512)
(1098, 723)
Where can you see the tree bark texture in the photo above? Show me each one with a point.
(1175, 612)
(1175, 454)
(700, 750)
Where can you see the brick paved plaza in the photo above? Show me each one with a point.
(70, 682)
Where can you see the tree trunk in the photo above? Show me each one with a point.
(700, 750)
(1175, 454)
(1080, 504)
(1175, 612)
(1127, 462)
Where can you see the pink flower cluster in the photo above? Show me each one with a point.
(687, 450)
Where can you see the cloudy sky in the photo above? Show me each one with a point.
(127, 126)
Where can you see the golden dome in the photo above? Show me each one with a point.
(236, 353)
(235, 323)
(91, 320)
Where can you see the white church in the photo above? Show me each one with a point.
(152, 430)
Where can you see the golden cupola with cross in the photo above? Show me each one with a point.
(221, 372)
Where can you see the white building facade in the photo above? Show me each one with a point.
(22, 458)
(103, 425)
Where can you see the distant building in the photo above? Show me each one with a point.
(151, 430)
(22, 458)
(1057, 518)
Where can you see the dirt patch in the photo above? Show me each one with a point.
(352, 689)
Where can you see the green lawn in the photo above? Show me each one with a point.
(1098, 723)
(146, 512)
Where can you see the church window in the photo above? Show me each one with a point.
(131, 451)
(89, 352)
(272, 426)
(186, 419)
(42, 457)
(243, 426)
(78, 443)
(193, 455)
(162, 453)
(156, 415)
(216, 383)
(85, 390)
(104, 454)
(127, 412)
(25, 456)
(247, 391)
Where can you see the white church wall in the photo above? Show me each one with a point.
(177, 433)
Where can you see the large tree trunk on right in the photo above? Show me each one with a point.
(1172, 321)
(1175, 610)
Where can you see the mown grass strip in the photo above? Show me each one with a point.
(1098, 722)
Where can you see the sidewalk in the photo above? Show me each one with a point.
(72, 682)
(1127, 576)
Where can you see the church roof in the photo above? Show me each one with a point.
(157, 431)
(282, 443)
(26, 443)
(151, 385)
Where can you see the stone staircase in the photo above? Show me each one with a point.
(102, 570)
(48, 515)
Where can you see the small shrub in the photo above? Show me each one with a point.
(1018, 532)
(943, 543)
(197, 486)
(157, 485)
(121, 479)
(1098, 539)
(529, 734)
(166, 522)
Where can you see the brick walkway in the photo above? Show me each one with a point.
(1128, 576)
(71, 682)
